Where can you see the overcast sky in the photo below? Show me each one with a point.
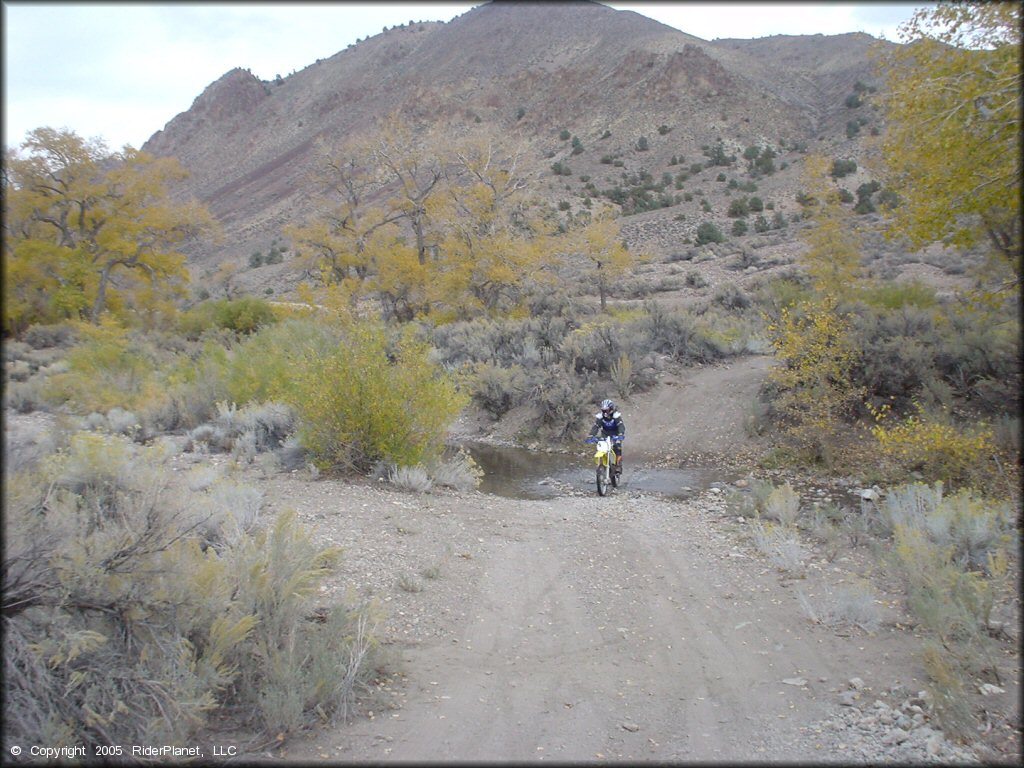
(122, 71)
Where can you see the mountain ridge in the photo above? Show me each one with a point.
(528, 70)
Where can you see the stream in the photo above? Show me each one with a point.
(518, 473)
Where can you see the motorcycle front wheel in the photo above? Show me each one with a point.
(603, 476)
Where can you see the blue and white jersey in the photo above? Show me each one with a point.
(609, 426)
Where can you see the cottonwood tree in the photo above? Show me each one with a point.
(333, 242)
(833, 256)
(496, 240)
(952, 145)
(600, 248)
(354, 240)
(375, 191)
(814, 342)
(409, 163)
(86, 230)
(426, 224)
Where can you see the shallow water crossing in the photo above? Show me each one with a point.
(518, 473)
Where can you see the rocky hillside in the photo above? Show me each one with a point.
(641, 97)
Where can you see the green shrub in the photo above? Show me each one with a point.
(738, 207)
(244, 315)
(362, 402)
(718, 156)
(262, 366)
(892, 295)
(841, 167)
(110, 367)
(707, 232)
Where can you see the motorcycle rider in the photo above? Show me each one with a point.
(609, 422)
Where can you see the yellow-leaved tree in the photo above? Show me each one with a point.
(814, 341)
(413, 169)
(341, 242)
(833, 256)
(375, 194)
(496, 241)
(424, 223)
(952, 144)
(599, 248)
(816, 356)
(86, 231)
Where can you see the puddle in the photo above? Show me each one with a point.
(517, 473)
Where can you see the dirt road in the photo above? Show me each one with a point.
(633, 627)
(582, 629)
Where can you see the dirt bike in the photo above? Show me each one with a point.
(604, 458)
